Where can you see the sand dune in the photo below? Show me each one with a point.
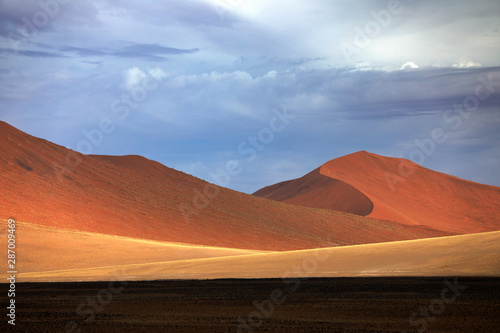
(42, 248)
(319, 191)
(124, 217)
(398, 190)
(131, 196)
(137, 163)
(464, 255)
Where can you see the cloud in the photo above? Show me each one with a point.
(467, 64)
(132, 77)
(155, 49)
(192, 13)
(84, 52)
(223, 69)
(31, 53)
(409, 64)
(198, 105)
(148, 52)
(157, 73)
(29, 18)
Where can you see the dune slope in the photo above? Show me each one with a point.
(463, 255)
(419, 195)
(319, 191)
(398, 190)
(41, 248)
(132, 196)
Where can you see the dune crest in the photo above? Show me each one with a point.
(131, 196)
(319, 191)
(419, 195)
(395, 189)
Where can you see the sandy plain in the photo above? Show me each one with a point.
(59, 255)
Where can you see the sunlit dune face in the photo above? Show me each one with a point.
(394, 189)
(443, 256)
(132, 196)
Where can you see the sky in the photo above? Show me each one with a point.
(248, 93)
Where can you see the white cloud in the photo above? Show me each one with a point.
(257, 57)
(467, 64)
(408, 65)
(213, 77)
(270, 75)
(132, 77)
(157, 73)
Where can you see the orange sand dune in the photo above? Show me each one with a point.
(319, 191)
(137, 163)
(464, 255)
(132, 196)
(419, 195)
(398, 190)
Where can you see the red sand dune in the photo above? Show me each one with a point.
(399, 190)
(131, 196)
(319, 191)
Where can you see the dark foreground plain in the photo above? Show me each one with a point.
(451, 304)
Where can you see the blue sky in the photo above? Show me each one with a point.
(265, 90)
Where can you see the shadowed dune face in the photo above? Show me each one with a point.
(319, 191)
(409, 193)
(131, 196)
(394, 189)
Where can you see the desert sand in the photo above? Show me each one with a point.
(95, 218)
(394, 189)
(131, 196)
(464, 255)
(42, 248)
(416, 195)
(319, 191)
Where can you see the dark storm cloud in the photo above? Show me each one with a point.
(130, 51)
(15, 16)
(155, 49)
(84, 52)
(148, 52)
(31, 53)
(258, 56)
(35, 16)
(372, 94)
